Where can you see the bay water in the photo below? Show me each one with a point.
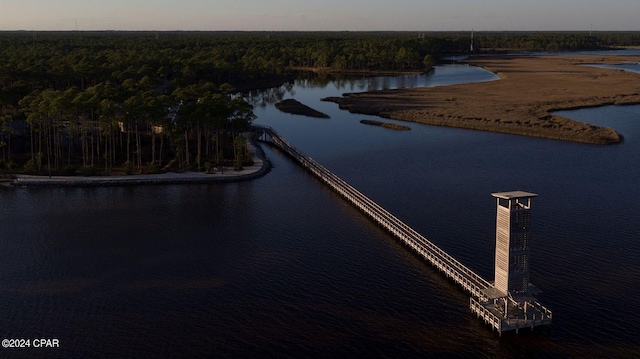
(281, 266)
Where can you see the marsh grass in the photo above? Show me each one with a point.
(391, 126)
(522, 102)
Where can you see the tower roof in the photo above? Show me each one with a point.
(514, 194)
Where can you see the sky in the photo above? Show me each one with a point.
(322, 15)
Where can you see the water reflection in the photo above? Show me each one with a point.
(264, 98)
(336, 85)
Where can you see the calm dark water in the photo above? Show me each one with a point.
(282, 267)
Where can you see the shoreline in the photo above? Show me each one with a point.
(522, 102)
(387, 125)
(260, 168)
(331, 71)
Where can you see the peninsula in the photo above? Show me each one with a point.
(259, 167)
(522, 102)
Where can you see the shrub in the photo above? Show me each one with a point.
(248, 159)
(87, 171)
(69, 170)
(127, 168)
(30, 167)
(152, 168)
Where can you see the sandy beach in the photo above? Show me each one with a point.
(520, 102)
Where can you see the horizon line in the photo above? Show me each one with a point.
(319, 31)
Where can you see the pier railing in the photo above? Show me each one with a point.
(484, 307)
(444, 262)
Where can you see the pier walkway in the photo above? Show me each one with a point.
(479, 288)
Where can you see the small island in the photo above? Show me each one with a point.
(294, 107)
(388, 125)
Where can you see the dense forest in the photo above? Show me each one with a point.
(140, 102)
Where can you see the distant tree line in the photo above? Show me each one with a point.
(94, 102)
(555, 41)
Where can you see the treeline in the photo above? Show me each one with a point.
(103, 103)
(136, 101)
(556, 41)
(132, 128)
(59, 60)
(82, 59)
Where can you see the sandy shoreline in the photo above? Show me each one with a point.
(520, 103)
(260, 167)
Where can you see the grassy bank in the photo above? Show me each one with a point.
(391, 126)
(521, 102)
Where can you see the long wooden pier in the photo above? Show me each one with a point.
(479, 288)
